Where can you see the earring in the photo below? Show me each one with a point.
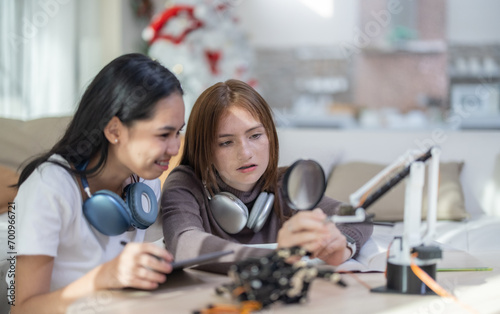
(116, 140)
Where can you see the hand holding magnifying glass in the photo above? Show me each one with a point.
(303, 187)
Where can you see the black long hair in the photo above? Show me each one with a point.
(128, 88)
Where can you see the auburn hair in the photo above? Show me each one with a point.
(201, 132)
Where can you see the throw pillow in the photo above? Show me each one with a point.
(21, 140)
(347, 178)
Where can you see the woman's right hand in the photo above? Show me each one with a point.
(311, 231)
(140, 265)
(135, 267)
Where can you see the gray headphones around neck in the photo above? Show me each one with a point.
(232, 215)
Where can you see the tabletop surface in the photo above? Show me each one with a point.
(190, 290)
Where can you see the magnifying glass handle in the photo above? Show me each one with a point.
(358, 215)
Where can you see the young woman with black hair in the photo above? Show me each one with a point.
(125, 130)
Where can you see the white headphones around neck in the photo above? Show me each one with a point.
(232, 215)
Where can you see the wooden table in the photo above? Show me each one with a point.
(191, 290)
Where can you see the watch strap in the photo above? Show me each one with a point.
(351, 244)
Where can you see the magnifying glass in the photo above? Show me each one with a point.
(304, 184)
(303, 187)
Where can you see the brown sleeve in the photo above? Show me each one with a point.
(360, 232)
(187, 227)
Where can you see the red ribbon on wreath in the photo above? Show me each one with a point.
(213, 58)
(152, 32)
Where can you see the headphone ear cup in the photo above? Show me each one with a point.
(230, 212)
(256, 209)
(107, 212)
(260, 211)
(142, 215)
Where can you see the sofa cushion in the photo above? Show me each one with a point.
(347, 178)
(21, 140)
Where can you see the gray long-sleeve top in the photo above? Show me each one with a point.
(190, 229)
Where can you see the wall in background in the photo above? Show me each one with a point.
(473, 22)
(408, 62)
(296, 23)
(300, 46)
(398, 61)
(290, 23)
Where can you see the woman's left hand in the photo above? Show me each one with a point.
(310, 230)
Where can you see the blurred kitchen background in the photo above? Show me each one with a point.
(392, 64)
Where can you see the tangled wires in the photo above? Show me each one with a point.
(259, 282)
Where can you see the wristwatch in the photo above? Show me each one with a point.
(351, 244)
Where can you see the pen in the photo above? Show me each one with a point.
(157, 257)
(466, 269)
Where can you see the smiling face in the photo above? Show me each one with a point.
(146, 147)
(242, 149)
